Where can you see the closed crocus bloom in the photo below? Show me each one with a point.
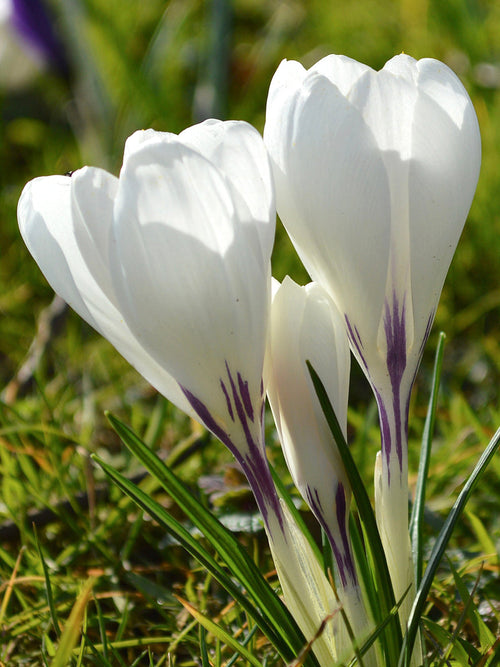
(171, 263)
(306, 326)
(375, 174)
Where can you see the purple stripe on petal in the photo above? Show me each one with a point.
(395, 333)
(341, 505)
(355, 340)
(252, 457)
(256, 469)
(385, 431)
(240, 410)
(245, 396)
(340, 498)
(341, 548)
(314, 503)
(254, 462)
(228, 400)
(207, 419)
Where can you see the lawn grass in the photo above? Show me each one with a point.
(61, 523)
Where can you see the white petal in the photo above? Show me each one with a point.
(342, 71)
(286, 81)
(44, 214)
(403, 65)
(387, 103)
(137, 140)
(49, 230)
(375, 202)
(306, 326)
(333, 195)
(443, 175)
(189, 291)
(93, 192)
(307, 592)
(237, 150)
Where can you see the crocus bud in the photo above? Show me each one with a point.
(306, 326)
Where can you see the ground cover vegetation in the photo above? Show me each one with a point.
(74, 550)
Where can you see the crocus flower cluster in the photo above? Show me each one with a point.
(374, 174)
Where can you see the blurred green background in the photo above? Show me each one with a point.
(167, 65)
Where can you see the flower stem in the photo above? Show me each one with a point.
(391, 500)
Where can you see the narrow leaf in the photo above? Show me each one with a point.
(484, 634)
(442, 542)
(270, 626)
(220, 633)
(417, 514)
(452, 646)
(48, 587)
(72, 629)
(393, 637)
(285, 632)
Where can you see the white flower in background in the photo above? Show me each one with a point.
(375, 174)
(306, 326)
(28, 43)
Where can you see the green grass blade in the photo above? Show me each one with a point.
(205, 660)
(365, 572)
(269, 612)
(72, 629)
(368, 643)
(244, 643)
(393, 637)
(441, 544)
(164, 519)
(48, 586)
(228, 548)
(221, 634)
(417, 514)
(483, 633)
(452, 647)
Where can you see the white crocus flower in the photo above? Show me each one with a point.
(375, 174)
(306, 326)
(171, 263)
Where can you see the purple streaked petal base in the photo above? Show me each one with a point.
(339, 542)
(251, 455)
(396, 414)
(395, 334)
(356, 342)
